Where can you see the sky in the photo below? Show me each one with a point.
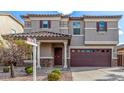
(65, 6)
(79, 13)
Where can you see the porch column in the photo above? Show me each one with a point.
(38, 55)
(65, 54)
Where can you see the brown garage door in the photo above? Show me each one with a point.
(90, 57)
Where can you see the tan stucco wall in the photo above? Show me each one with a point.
(46, 50)
(7, 24)
(91, 33)
(77, 40)
(54, 26)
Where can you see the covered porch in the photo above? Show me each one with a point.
(52, 53)
(52, 49)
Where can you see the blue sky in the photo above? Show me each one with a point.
(79, 13)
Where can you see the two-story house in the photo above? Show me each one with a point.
(9, 24)
(73, 41)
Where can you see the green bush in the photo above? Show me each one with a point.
(53, 77)
(29, 70)
(6, 69)
(56, 71)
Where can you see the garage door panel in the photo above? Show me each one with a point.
(95, 58)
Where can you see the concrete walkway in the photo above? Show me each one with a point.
(97, 74)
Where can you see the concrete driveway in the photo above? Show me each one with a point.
(97, 74)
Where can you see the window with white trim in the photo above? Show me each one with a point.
(101, 26)
(76, 28)
(45, 24)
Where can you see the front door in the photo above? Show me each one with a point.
(58, 56)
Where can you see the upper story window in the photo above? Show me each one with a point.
(63, 23)
(27, 24)
(45, 23)
(76, 28)
(101, 26)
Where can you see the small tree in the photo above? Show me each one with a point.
(15, 53)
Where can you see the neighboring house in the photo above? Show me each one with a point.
(9, 24)
(120, 50)
(73, 41)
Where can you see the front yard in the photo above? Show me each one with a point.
(41, 75)
(73, 74)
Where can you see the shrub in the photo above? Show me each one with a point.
(56, 71)
(29, 70)
(53, 77)
(6, 69)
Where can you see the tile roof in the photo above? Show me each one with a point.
(94, 13)
(104, 16)
(42, 13)
(40, 35)
(73, 15)
(120, 46)
(36, 15)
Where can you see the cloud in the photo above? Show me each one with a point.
(65, 11)
(121, 32)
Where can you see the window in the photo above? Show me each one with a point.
(97, 50)
(45, 24)
(101, 26)
(76, 28)
(27, 24)
(103, 50)
(76, 24)
(107, 51)
(88, 50)
(76, 31)
(82, 50)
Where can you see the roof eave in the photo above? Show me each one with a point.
(114, 16)
(39, 35)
